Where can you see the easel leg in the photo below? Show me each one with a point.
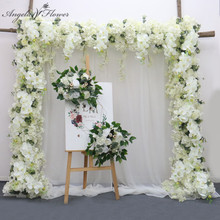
(90, 161)
(117, 197)
(85, 172)
(66, 196)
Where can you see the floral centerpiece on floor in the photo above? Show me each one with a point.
(77, 86)
(108, 141)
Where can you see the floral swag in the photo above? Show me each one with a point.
(178, 39)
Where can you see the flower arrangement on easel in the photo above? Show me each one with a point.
(76, 86)
(108, 141)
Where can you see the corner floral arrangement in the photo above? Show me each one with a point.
(76, 86)
(108, 142)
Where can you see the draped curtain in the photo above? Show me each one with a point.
(140, 105)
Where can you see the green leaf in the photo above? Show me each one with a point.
(65, 72)
(125, 152)
(118, 158)
(132, 138)
(115, 124)
(76, 68)
(123, 157)
(71, 68)
(114, 144)
(124, 132)
(60, 96)
(122, 143)
(28, 120)
(11, 169)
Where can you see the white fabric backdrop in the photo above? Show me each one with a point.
(139, 104)
(209, 57)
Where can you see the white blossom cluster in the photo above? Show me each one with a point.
(189, 176)
(178, 39)
(26, 177)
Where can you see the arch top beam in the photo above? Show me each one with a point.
(179, 14)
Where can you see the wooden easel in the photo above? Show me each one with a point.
(86, 168)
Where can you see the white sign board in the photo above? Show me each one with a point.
(78, 121)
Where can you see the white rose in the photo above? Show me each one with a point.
(108, 141)
(64, 80)
(76, 84)
(86, 94)
(100, 140)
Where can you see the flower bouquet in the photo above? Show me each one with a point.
(108, 141)
(77, 86)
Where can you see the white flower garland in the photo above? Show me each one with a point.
(179, 41)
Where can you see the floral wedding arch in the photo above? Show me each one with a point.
(178, 39)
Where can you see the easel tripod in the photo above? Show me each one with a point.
(86, 167)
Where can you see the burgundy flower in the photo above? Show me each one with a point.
(78, 118)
